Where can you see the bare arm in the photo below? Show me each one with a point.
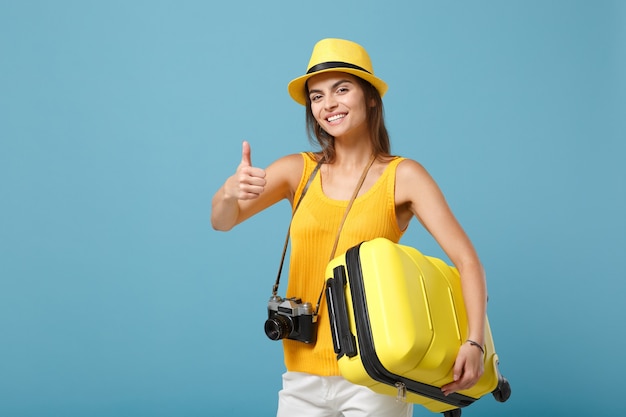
(251, 189)
(416, 190)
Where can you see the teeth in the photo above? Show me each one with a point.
(336, 117)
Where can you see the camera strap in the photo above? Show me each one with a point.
(282, 258)
(343, 220)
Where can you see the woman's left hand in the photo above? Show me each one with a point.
(468, 368)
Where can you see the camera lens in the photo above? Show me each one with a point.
(278, 327)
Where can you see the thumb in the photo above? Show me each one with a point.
(245, 154)
(459, 366)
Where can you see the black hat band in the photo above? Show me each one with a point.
(334, 64)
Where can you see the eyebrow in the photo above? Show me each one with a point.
(335, 85)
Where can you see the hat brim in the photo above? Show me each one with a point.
(298, 92)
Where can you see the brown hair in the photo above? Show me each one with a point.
(375, 119)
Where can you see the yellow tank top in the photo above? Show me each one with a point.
(313, 233)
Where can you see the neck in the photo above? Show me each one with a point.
(354, 154)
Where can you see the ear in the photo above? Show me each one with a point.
(372, 102)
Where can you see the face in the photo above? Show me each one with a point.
(338, 104)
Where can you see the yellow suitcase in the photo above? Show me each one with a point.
(398, 319)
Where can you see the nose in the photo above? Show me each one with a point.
(329, 102)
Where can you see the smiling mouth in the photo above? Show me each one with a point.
(336, 117)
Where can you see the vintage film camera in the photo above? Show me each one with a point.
(290, 318)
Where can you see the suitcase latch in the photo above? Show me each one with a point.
(401, 396)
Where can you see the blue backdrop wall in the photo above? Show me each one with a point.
(120, 119)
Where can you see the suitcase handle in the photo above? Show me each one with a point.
(344, 341)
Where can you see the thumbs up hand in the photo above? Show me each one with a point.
(248, 182)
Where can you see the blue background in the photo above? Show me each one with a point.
(120, 119)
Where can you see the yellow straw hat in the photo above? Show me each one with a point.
(336, 55)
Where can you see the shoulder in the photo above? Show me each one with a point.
(287, 171)
(413, 181)
(290, 164)
(410, 170)
(289, 161)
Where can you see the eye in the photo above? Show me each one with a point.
(315, 97)
(342, 90)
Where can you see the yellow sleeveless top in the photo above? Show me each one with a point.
(313, 232)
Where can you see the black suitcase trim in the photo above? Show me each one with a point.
(344, 342)
(369, 357)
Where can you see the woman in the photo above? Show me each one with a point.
(344, 113)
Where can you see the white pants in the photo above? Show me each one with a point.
(306, 395)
